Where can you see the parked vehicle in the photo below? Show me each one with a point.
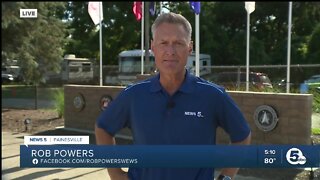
(313, 79)
(7, 78)
(74, 70)
(130, 66)
(11, 72)
(313, 82)
(282, 85)
(237, 80)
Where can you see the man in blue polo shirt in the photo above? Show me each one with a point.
(173, 107)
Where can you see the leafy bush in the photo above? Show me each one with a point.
(315, 131)
(59, 102)
(316, 100)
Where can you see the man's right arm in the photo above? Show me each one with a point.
(104, 138)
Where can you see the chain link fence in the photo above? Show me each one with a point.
(113, 75)
(276, 73)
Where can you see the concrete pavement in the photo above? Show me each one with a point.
(315, 120)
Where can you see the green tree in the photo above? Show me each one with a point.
(270, 26)
(37, 43)
(222, 31)
(120, 31)
(313, 53)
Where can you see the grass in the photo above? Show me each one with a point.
(315, 131)
(59, 102)
(316, 101)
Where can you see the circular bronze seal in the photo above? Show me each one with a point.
(105, 101)
(78, 102)
(265, 118)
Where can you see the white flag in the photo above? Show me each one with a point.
(94, 9)
(250, 6)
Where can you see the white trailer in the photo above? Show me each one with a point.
(130, 65)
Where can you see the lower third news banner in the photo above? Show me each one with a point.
(251, 156)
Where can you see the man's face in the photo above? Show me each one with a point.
(171, 48)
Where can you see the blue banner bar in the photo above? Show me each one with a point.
(216, 156)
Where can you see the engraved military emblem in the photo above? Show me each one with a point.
(78, 102)
(105, 101)
(265, 118)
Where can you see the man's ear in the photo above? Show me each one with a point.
(151, 45)
(190, 47)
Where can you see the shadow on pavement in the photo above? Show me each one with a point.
(31, 175)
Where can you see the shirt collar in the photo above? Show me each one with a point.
(186, 87)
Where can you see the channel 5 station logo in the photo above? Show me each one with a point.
(28, 13)
(295, 156)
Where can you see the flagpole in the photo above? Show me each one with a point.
(250, 7)
(142, 38)
(100, 40)
(247, 52)
(197, 45)
(289, 47)
(96, 14)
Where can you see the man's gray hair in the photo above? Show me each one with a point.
(172, 18)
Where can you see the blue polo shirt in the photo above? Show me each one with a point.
(189, 117)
